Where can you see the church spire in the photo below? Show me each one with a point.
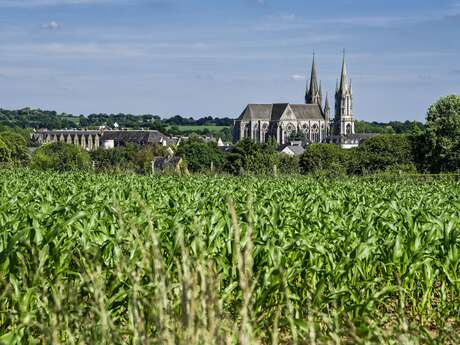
(343, 78)
(313, 78)
(327, 107)
(313, 94)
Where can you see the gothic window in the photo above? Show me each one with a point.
(247, 131)
(349, 129)
(255, 133)
(264, 132)
(315, 133)
(287, 133)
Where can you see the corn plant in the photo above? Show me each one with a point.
(126, 259)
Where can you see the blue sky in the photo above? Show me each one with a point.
(203, 57)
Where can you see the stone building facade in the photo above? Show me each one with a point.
(92, 140)
(87, 140)
(260, 122)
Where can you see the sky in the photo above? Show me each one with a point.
(212, 57)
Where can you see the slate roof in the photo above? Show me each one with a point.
(140, 137)
(257, 112)
(274, 112)
(67, 132)
(297, 150)
(307, 111)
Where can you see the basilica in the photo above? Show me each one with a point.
(260, 122)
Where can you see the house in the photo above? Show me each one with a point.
(293, 150)
(172, 164)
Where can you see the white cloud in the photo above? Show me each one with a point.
(52, 25)
(298, 77)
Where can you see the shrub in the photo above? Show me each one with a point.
(382, 152)
(61, 157)
(288, 165)
(5, 152)
(127, 158)
(199, 155)
(17, 145)
(326, 159)
(248, 157)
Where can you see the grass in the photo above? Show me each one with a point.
(108, 259)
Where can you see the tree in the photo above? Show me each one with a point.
(17, 146)
(61, 157)
(117, 159)
(144, 156)
(384, 152)
(253, 158)
(288, 165)
(200, 155)
(324, 158)
(442, 137)
(5, 153)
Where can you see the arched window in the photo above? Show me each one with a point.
(288, 131)
(264, 132)
(255, 133)
(315, 133)
(247, 131)
(305, 128)
(349, 129)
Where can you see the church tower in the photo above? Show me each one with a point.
(313, 95)
(344, 123)
(327, 114)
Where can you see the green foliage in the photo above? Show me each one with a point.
(61, 157)
(442, 138)
(326, 159)
(199, 155)
(124, 259)
(36, 118)
(382, 153)
(288, 165)
(129, 158)
(392, 127)
(116, 159)
(248, 157)
(17, 145)
(5, 152)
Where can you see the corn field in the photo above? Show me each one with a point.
(126, 259)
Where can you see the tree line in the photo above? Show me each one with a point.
(37, 118)
(435, 148)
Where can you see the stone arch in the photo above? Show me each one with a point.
(264, 132)
(349, 129)
(246, 131)
(315, 133)
(255, 132)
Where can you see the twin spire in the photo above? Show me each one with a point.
(314, 94)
